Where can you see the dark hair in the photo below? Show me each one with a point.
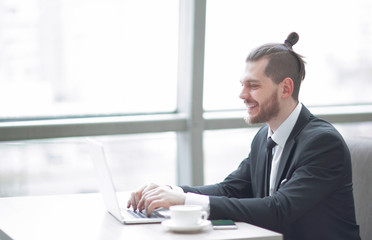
(283, 62)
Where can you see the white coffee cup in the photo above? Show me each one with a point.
(187, 215)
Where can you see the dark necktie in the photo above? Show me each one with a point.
(269, 156)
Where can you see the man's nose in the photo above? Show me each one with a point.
(244, 94)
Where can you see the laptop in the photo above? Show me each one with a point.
(107, 189)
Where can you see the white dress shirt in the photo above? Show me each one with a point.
(280, 136)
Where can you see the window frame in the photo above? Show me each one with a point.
(190, 120)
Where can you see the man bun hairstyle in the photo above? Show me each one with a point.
(283, 61)
(291, 40)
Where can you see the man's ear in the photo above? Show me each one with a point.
(287, 87)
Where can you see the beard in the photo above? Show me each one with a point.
(267, 110)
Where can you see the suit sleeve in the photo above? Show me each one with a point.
(317, 168)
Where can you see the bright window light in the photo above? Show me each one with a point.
(335, 38)
(76, 57)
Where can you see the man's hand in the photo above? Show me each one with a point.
(137, 196)
(153, 196)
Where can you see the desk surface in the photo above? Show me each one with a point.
(83, 216)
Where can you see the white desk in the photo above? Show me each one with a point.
(83, 216)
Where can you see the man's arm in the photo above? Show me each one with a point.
(152, 196)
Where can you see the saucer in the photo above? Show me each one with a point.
(193, 228)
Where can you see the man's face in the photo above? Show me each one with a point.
(260, 93)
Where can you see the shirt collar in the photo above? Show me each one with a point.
(281, 135)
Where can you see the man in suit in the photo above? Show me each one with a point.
(301, 186)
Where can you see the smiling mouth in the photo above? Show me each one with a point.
(251, 106)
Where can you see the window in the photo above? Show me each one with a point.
(229, 154)
(337, 49)
(131, 73)
(64, 166)
(81, 58)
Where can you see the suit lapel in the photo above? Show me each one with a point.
(284, 161)
(286, 158)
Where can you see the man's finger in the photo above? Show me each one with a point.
(135, 197)
(153, 203)
(145, 198)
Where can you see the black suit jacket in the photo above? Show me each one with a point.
(313, 198)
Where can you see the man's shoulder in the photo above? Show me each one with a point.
(320, 134)
(309, 125)
(317, 126)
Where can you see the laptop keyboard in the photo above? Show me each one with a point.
(138, 214)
